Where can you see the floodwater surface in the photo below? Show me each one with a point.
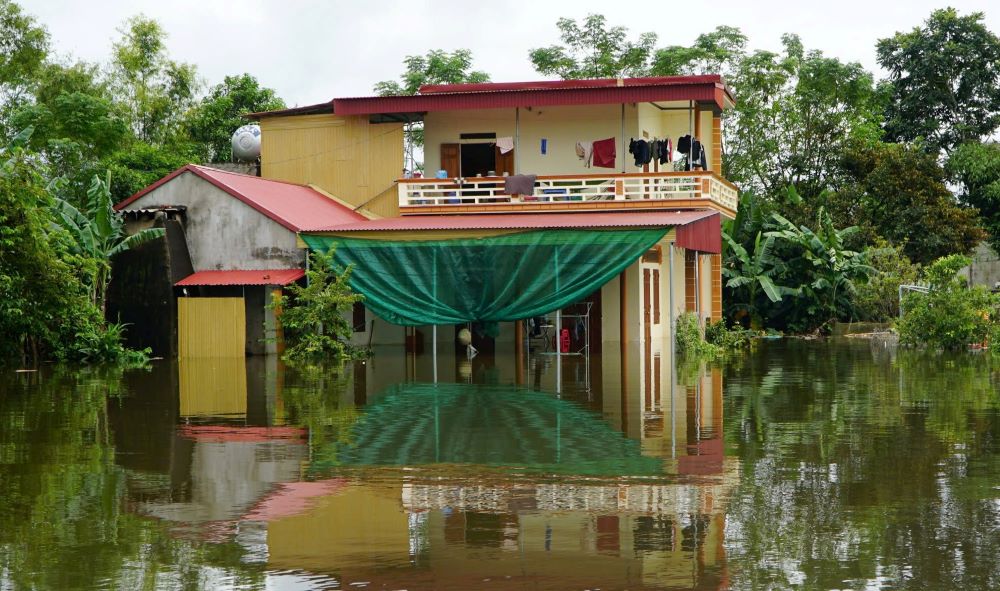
(835, 464)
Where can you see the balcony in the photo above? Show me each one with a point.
(588, 192)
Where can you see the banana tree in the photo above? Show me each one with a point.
(754, 273)
(826, 268)
(98, 234)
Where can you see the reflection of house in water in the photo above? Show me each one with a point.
(439, 484)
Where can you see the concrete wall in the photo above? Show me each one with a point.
(222, 231)
(985, 268)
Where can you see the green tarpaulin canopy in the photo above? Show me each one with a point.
(492, 279)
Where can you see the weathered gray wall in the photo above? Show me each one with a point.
(985, 268)
(222, 231)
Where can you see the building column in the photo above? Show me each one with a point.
(716, 261)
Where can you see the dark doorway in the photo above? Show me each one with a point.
(478, 159)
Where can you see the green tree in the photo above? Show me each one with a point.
(314, 317)
(139, 164)
(749, 274)
(214, 119)
(437, 67)
(717, 52)
(898, 192)
(98, 234)
(945, 81)
(977, 167)
(591, 49)
(951, 315)
(44, 309)
(24, 47)
(156, 90)
(878, 298)
(823, 269)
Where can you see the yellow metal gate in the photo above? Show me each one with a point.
(211, 327)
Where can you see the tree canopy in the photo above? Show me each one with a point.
(944, 79)
(592, 49)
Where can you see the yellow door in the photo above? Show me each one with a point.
(211, 327)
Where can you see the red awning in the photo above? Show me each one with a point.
(241, 277)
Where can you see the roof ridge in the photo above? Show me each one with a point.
(252, 176)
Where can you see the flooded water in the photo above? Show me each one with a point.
(816, 465)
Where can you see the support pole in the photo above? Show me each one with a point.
(624, 151)
(434, 328)
(517, 140)
(558, 329)
(670, 303)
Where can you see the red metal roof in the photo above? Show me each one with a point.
(450, 97)
(296, 207)
(243, 277)
(529, 221)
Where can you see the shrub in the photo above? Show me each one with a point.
(314, 317)
(728, 339)
(877, 300)
(951, 315)
(688, 338)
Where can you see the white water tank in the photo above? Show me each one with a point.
(246, 143)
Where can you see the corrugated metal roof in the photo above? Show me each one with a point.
(296, 207)
(243, 277)
(528, 221)
(714, 92)
(566, 84)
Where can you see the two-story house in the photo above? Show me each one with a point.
(614, 159)
(601, 198)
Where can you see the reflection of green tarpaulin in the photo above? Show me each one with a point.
(424, 424)
(494, 279)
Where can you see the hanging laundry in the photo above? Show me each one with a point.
(519, 184)
(584, 151)
(664, 150)
(506, 144)
(641, 150)
(604, 153)
(684, 144)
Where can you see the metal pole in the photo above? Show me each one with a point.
(434, 328)
(624, 160)
(670, 300)
(690, 162)
(558, 329)
(672, 339)
(517, 140)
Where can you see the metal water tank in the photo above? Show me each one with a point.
(246, 143)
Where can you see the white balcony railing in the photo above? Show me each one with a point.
(662, 186)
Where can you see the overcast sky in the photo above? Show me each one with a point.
(312, 51)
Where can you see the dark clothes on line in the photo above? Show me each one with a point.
(520, 184)
(664, 151)
(641, 150)
(604, 153)
(684, 144)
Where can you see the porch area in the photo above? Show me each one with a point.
(583, 192)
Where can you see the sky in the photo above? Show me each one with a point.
(313, 51)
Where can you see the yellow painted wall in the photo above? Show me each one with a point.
(213, 386)
(211, 327)
(348, 157)
(347, 529)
